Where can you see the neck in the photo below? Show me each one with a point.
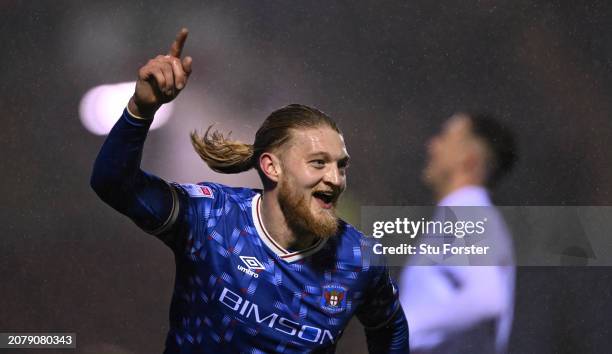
(276, 224)
(456, 183)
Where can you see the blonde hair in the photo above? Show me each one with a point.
(221, 153)
(225, 155)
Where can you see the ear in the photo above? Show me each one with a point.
(270, 166)
(475, 159)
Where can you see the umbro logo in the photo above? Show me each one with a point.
(253, 265)
(252, 262)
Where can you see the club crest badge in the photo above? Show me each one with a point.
(333, 299)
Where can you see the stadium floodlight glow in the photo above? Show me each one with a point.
(102, 105)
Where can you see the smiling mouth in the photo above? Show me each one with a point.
(327, 199)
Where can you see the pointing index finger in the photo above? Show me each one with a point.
(179, 42)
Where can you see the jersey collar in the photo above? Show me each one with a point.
(271, 243)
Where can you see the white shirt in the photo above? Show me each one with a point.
(435, 307)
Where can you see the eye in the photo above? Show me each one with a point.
(318, 163)
(343, 164)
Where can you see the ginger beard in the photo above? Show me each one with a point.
(300, 217)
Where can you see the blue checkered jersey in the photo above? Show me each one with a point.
(237, 290)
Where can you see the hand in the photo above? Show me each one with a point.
(161, 79)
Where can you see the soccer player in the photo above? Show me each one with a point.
(257, 271)
(465, 309)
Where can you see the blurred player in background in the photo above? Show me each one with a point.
(464, 309)
(256, 271)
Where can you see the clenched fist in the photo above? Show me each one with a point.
(161, 79)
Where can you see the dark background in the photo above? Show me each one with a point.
(389, 73)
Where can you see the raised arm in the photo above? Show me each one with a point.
(117, 178)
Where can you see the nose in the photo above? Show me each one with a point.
(334, 176)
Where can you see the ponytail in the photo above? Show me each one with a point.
(222, 154)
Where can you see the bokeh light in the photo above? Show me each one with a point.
(102, 105)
